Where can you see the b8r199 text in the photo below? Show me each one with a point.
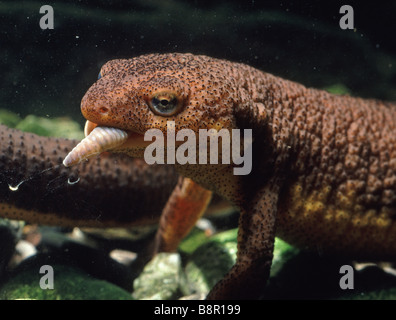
(219, 309)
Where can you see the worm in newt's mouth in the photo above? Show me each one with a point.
(100, 139)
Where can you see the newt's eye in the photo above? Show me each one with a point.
(165, 104)
(100, 75)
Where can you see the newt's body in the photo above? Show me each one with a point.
(324, 166)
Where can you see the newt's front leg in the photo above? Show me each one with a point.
(185, 206)
(256, 238)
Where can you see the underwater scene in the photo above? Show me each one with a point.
(307, 210)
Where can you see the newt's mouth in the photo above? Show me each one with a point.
(100, 139)
(135, 140)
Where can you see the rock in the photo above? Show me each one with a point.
(161, 278)
(381, 294)
(282, 253)
(70, 283)
(123, 256)
(9, 235)
(9, 118)
(371, 283)
(24, 249)
(211, 261)
(62, 127)
(195, 238)
(56, 127)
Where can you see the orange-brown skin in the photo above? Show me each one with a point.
(186, 204)
(324, 166)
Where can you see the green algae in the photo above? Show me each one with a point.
(69, 284)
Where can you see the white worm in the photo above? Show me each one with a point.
(100, 139)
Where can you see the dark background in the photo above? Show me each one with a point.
(46, 72)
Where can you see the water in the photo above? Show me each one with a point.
(45, 72)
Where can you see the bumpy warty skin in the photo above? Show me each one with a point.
(324, 166)
(109, 191)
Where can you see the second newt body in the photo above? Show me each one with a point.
(113, 191)
(323, 170)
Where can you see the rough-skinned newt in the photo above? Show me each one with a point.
(323, 169)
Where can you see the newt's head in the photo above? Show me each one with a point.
(143, 93)
(153, 91)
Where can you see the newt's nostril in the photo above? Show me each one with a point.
(103, 110)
